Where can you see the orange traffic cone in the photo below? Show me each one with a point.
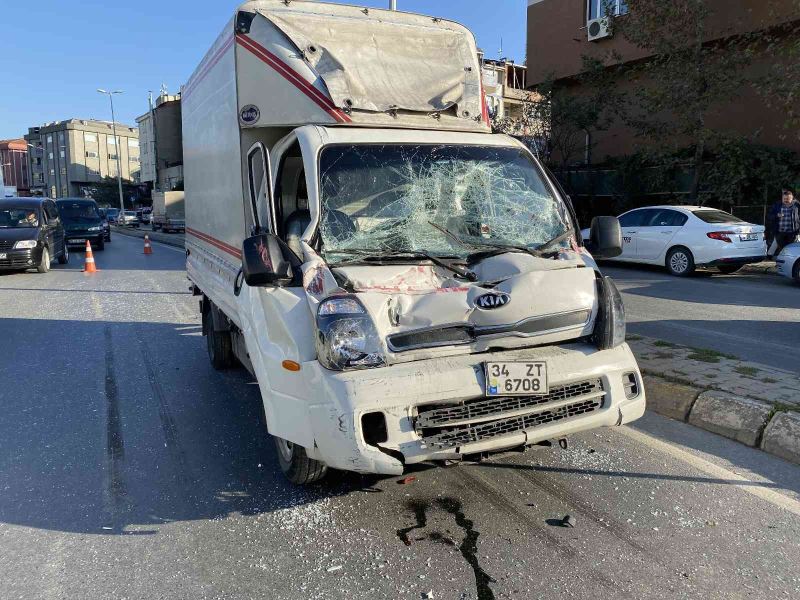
(148, 249)
(89, 266)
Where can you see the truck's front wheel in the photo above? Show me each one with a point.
(295, 464)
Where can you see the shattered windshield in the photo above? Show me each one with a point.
(441, 200)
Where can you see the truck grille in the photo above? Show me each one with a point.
(486, 418)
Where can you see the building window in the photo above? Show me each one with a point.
(90, 154)
(133, 143)
(63, 170)
(49, 139)
(112, 157)
(111, 141)
(50, 156)
(53, 172)
(90, 137)
(61, 154)
(64, 191)
(598, 8)
(134, 159)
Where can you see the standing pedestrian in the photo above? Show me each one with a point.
(786, 221)
(771, 223)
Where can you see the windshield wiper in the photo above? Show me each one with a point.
(367, 257)
(541, 251)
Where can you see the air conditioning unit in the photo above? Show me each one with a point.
(597, 29)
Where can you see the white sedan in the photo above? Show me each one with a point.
(683, 238)
(788, 262)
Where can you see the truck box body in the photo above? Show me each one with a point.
(169, 210)
(328, 132)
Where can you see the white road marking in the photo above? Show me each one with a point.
(751, 487)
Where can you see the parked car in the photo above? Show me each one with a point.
(129, 219)
(31, 234)
(683, 238)
(82, 221)
(144, 215)
(788, 261)
(112, 214)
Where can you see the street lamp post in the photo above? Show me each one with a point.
(116, 147)
(392, 4)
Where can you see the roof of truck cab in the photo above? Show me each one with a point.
(377, 67)
(359, 135)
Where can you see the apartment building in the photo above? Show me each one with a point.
(561, 32)
(14, 165)
(504, 86)
(161, 143)
(67, 158)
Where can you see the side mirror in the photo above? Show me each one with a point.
(605, 239)
(264, 262)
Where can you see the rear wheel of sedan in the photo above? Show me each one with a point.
(680, 262)
(295, 464)
(64, 258)
(728, 269)
(44, 264)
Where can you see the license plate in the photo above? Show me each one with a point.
(516, 378)
(77, 241)
(3, 255)
(748, 237)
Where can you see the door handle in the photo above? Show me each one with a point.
(666, 232)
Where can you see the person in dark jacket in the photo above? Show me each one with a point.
(786, 221)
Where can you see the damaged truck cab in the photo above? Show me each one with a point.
(404, 285)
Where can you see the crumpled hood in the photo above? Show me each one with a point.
(423, 310)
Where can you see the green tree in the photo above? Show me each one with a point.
(106, 192)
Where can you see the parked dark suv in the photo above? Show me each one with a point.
(82, 221)
(31, 234)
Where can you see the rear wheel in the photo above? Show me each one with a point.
(44, 264)
(796, 271)
(680, 262)
(728, 269)
(218, 344)
(64, 258)
(295, 464)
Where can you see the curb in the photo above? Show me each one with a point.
(161, 238)
(755, 423)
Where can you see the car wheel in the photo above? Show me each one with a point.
(218, 344)
(295, 464)
(728, 269)
(796, 271)
(64, 258)
(101, 245)
(44, 264)
(680, 262)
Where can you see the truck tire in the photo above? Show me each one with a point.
(295, 464)
(218, 344)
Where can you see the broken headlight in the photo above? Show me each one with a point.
(346, 336)
(609, 328)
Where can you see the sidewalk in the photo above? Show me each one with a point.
(751, 403)
(767, 267)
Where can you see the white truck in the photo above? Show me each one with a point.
(404, 285)
(169, 212)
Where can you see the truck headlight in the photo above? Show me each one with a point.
(25, 244)
(98, 228)
(609, 328)
(346, 336)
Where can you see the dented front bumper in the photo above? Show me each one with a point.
(436, 409)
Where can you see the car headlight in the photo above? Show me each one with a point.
(609, 328)
(98, 228)
(23, 244)
(346, 336)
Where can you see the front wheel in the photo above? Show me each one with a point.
(680, 262)
(64, 258)
(796, 272)
(295, 464)
(44, 264)
(728, 269)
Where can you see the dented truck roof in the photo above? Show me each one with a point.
(301, 62)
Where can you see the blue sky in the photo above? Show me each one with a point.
(57, 56)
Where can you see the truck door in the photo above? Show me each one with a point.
(258, 213)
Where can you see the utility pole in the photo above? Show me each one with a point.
(116, 147)
(392, 4)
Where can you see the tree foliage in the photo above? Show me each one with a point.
(106, 192)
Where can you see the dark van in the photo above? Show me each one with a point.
(31, 234)
(82, 221)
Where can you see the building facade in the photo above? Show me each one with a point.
(68, 158)
(14, 164)
(161, 144)
(562, 32)
(504, 84)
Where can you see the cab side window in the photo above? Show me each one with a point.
(51, 211)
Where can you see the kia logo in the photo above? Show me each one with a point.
(493, 300)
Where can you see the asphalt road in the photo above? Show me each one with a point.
(130, 469)
(755, 317)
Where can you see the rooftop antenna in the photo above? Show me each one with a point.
(164, 91)
(500, 53)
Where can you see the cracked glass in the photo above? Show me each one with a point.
(444, 200)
